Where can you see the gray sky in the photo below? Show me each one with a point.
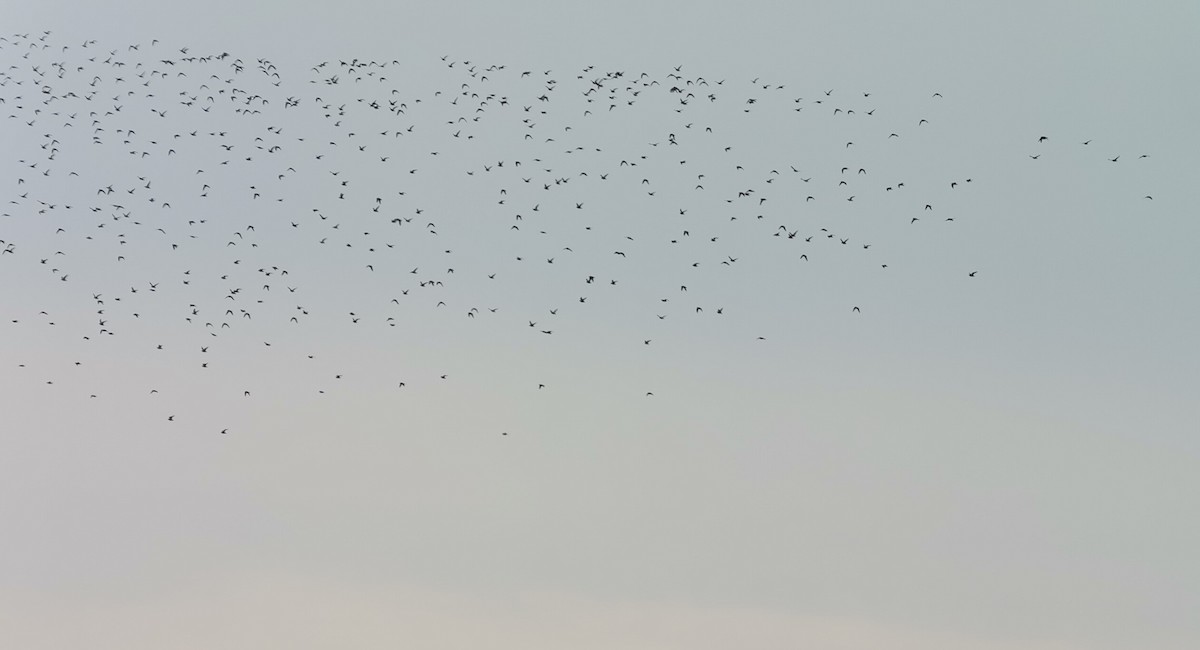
(997, 461)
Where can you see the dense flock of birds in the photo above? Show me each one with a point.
(231, 202)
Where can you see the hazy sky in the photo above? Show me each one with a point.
(1000, 460)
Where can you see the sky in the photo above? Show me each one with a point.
(655, 396)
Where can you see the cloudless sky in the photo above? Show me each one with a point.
(998, 461)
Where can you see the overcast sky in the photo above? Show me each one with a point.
(878, 333)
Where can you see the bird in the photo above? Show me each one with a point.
(290, 189)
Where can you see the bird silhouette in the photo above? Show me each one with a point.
(317, 172)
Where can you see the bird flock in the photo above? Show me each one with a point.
(174, 208)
